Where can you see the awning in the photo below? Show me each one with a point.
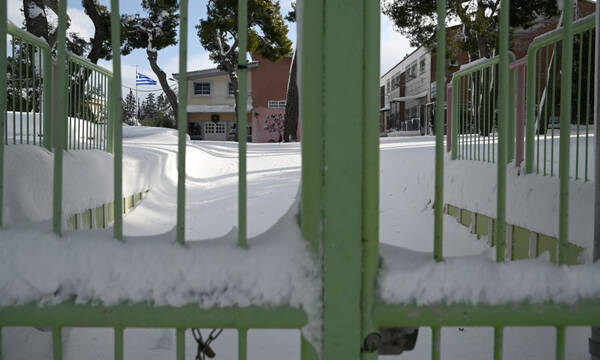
(214, 108)
(387, 108)
(410, 97)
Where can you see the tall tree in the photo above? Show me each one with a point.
(37, 21)
(267, 34)
(290, 128)
(154, 31)
(416, 19)
(129, 108)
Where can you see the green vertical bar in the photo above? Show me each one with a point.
(20, 65)
(182, 120)
(110, 119)
(118, 343)
(370, 169)
(13, 84)
(510, 137)
(242, 115)
(27, 55)
(307, 351)
(57, 334)
(60, 118)
(553, 112)
(455, 120)
(589, 103)
(436, 343)
(115, 97)
(498, 342)
(311, 107)
(342, 180)
(560, 342)
(1, 357)
(579, 71)
(180, 338)
(3, 118)
(565, 130)
(242, 344)
(440, 63)
(69, 117)
(503, 118)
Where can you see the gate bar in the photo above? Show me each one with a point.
(242, 115)
(182, 120)
(115, 103)
(60, 118)
(595, 338)
(438, 223)
(3, 116)
(565, 129)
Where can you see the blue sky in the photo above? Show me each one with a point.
(393, 45)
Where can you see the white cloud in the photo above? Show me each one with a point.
(81, 23)
(394, 46)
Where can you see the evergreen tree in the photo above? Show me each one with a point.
(267, 34)
(129, 108)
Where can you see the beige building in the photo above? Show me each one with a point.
(211, 104)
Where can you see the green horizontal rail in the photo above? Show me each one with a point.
(69, 314)
(87, 64)
(584, 313)
(12, 29)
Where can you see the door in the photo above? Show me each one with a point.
(215, 131)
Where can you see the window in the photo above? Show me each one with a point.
(412, 71)
(422, 66)
(202, 88)
(276, 104)
(230, 89)
(220, 128)
(209, 127)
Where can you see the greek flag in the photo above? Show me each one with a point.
(141, 79)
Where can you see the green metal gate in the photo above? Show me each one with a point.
(340, 193)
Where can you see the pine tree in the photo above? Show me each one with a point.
(129, 108)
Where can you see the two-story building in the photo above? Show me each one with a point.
(211, 101)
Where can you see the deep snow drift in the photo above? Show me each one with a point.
(277, 269)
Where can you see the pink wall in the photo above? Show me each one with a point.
(259, 117)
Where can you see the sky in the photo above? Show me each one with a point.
(393, 45)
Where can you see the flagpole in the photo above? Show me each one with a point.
(137, 103)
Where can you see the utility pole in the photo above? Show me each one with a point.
(595, 339)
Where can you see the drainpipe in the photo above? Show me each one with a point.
(595, 339)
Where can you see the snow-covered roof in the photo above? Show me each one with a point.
(214, 108)
(198, 74)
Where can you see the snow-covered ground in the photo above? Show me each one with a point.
(406, 220)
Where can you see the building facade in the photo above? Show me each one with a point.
(211, 102)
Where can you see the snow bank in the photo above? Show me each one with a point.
(413, 277)
(87, 180)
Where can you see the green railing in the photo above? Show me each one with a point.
(544, 84)
(340, 193)
(28, 90)
(475, 111)
(31, 95)
(87, 99)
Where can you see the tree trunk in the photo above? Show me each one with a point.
(38, 25)
(162, 79)
(100, 30)
(290, 128)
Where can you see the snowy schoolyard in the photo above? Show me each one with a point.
(150, 158)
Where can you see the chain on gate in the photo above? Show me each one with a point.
(204, 348)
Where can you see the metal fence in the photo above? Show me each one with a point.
(340, 194)
(32, 93)
(544, 83)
